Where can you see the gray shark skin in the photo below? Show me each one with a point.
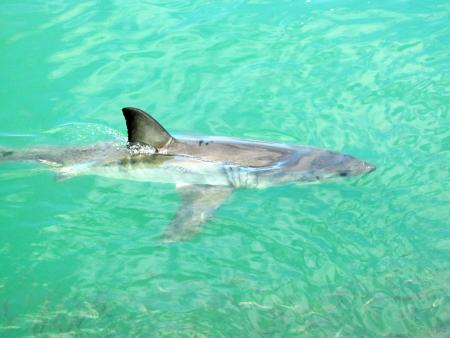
(205, 169)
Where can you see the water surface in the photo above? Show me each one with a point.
(360, 257)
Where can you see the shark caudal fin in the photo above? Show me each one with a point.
(144, 129)
(41, 155)
(7, 155)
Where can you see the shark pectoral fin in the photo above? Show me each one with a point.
(197, 205)
(62, 175)
(65, 172)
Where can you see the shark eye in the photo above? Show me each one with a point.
(343, 173)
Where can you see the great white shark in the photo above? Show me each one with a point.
(205, 170)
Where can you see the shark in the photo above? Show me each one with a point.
(205, 170)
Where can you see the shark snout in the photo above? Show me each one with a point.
(354, 166)
(369, 167)
(329, 164)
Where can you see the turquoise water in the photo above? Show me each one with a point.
(362, 257)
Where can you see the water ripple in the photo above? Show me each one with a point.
(361, 257)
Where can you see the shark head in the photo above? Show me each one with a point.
(328, 164)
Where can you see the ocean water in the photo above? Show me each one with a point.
(361, 257)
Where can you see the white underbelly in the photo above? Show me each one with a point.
(174, 171)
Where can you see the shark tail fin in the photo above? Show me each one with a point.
(144, 129)
(16, 155)
(8, 155)
(35, 155)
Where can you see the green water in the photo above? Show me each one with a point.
(362, 257)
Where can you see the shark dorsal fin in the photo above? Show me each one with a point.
(144, 129)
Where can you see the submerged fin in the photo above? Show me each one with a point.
(144, 129)
(197, 206)
(7, 155)
(61, 175)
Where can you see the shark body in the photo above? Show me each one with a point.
(205, 170)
